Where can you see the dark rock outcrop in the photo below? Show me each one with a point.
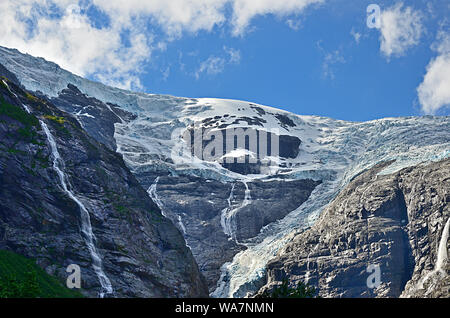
(392, 221)
(196, 206)
(97, 118)
(287, 147)
(143, 253)
(270, 201)
(10, 76)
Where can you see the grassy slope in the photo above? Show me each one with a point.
(14, 265)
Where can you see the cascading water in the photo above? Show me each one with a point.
(247, 196)
(7, 86)
(154, 196)
(9, 89)
(86, 228)
(332, 151)
(224, 220)
(227, 218)
(247, 268)
(442, 257)
(181, 225)
(112, 111)
(442, 251)
(308, 273)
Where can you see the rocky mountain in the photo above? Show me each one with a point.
(67, 199)
(398, 222)
(240, 181)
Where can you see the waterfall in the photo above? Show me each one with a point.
(248, 266)
(181, 225)
(247, 196)
(227, 218)
(442, 250)
(86, 228)
(183, 230)
(154, 196)
(110, 109)
(7, 86)
(440, 261)
(308, 272)
(9, 89)
(152, 193)
(224, 220)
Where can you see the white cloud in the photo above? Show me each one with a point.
(174, 16)
(330, 60)
(294, 24)
(214, 65)
(165, 73)
(245, 10)
(442, 45)
(68, 38)
(434, 91)
(356, 35)
(234, 55)
(401, 29)
(177, 16)
(60, 31)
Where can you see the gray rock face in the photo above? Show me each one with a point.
(196, 206)
(143, 254)
(96, 117)
(261, 140)
(394, 222)
(270, 201)
(10, 76)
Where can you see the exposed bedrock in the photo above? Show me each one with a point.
(142, 253)
(96, 117)
(392, 221)
(211, 145)
(197, 207)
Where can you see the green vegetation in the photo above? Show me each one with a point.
(14, 151)
(18, 114)
(20, 277)
(60, 124)
(39, 158)
(121, 249)
(31, 97)
(59, 120)
(116, 200)
(121, 209)
(156, 217)
(30, 123)
(284, 291)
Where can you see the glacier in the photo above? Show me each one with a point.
(333, 151)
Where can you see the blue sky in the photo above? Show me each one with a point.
(307, 57)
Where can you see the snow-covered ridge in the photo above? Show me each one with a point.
(333, 151)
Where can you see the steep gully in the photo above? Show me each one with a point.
(86, 227)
